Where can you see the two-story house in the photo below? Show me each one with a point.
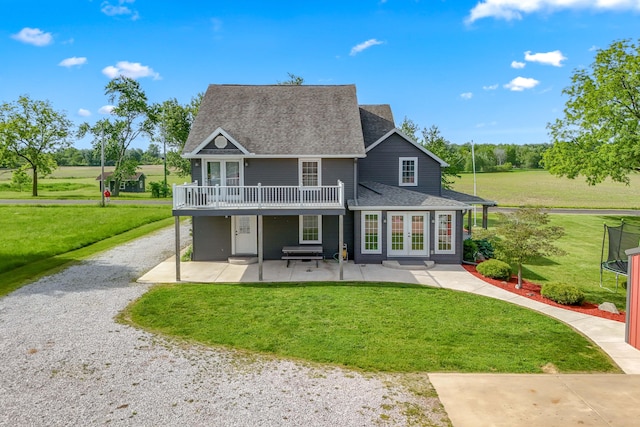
(280, 166)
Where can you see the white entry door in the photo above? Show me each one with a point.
(407, 234)
(245, 235)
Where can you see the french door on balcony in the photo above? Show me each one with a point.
(407, 234)
(226, 173)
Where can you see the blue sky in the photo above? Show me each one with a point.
(490, 71)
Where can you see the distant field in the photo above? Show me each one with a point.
(540, 188)
(79, 182)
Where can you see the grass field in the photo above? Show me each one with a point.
(79, 182)
(39, 238)
(540, 188)
(369, 326)
(581, 264)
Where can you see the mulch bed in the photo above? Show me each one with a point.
(532, 291)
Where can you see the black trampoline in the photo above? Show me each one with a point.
(618, 240)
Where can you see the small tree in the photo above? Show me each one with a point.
(131, 117)
(523, 235)
(293, 80)
(31, 131)
(20, 178)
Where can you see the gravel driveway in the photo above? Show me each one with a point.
(65, 361)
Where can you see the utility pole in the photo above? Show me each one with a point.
(102, 167)
(473, 161)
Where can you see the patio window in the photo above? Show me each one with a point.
(445, 230)
(310, 229)
(408, 171)
(371, 237)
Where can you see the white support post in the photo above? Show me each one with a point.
(177, 248)
(341, 244)
(260, 248)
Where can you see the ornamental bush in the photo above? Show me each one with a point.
(495, 269)
(563, 293)
(470, 248)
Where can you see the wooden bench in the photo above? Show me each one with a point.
(302, 253)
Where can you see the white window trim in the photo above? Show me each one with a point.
(415, 172)
(318, 161)
(453, 233)
(300, 235)
(362, 233)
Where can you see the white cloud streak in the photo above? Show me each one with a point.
(34, 36)
(521, 83)
(466, 95)
(73, 61)
(133, 70)
(554, 58)
(515, 9)
(84, 113)
(364, 45)
(106, 109)
(119, 9)
(517, 65)
(491, 87)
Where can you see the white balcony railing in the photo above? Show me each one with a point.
(194, 196)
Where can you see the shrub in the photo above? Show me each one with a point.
(485, 248)
(470, 248)
(562, 293)
(495, 269)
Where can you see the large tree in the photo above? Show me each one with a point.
(174, 122)
(130, 118)
(433, 141)
(30, 132)
(523, 235)
(599, 135)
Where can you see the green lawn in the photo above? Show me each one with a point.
(369, 326)
(581, 264)
(79, 182)
(540, 188)
(37, 238)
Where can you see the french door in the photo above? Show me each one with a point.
(407, 234)
(225, 173)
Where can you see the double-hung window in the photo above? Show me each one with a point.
(310, 229)
(309, 171)
(408, 171)
(446, 232)
(371, 233)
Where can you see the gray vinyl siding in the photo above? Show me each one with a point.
(196, 170)
(211, 238)
(382, 165)
(271, 172)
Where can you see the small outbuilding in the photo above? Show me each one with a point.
(133, 184)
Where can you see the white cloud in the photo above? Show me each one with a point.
(84, 113)
(74, 60)
(466, 95)
(491, 87)
(132, 70)
(119, 9)
(106, 109)
(364, 45)
(521, 83)
(514, 9)
(554, 58)
(34, 36)
(517, 64)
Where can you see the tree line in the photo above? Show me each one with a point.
(598, 137)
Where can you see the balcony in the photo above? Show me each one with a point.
(257, 197)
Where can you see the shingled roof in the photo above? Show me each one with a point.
(376, 195)
(376, 120)
(284, 120)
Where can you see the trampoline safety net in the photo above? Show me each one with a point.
(618, 239)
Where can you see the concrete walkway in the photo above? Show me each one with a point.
(477, 399)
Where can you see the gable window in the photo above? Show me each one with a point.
(446, 232)
(309, 172)
(370, 234)
(310, 229)
(408, 171)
